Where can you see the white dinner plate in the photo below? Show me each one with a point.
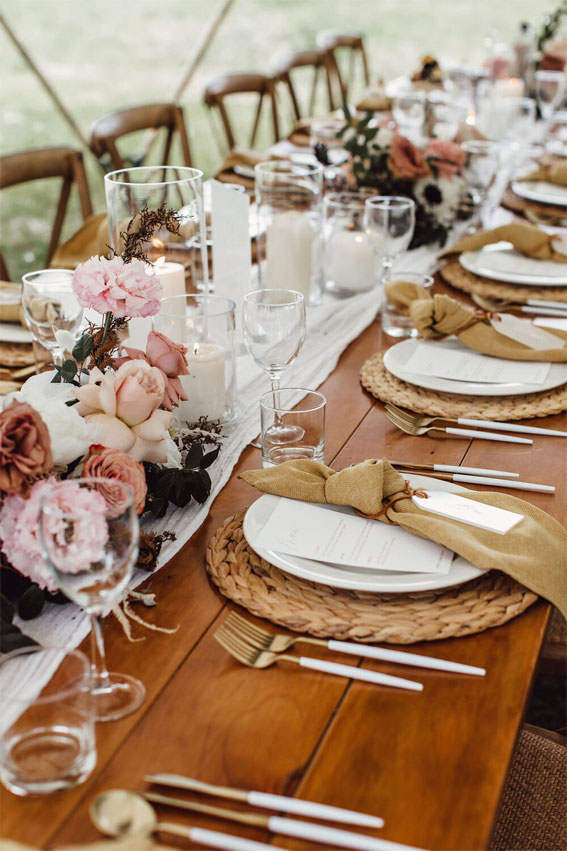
(397, 356)
(501, 262)
(11, 332)
(357, 578)
(244, 171)
(539, 190)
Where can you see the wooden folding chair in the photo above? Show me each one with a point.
(219, 89)
(320, 61)
(335, 44)
(114, 125)
(66, 163)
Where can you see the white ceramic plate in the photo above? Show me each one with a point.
(11, 332)
(501, 262)
(357, 578)
(397, 356)
(245, 171)
(539, 190)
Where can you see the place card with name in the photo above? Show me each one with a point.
(524, 331)
(336, 535)
(462, 364)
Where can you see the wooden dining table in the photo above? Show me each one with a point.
(432, 764)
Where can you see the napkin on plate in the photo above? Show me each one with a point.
(533, 553)
(91, 239)
(555, 173)
(439, 316)
(528, 239)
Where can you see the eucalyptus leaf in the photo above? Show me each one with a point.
(12, 638)
(194, 456)
(68, 370)
(31, 603)
(83, 347)
(210, 457)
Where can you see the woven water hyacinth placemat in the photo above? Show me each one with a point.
(384, 386)
(308, 607)
(523, 205)
(454, 274)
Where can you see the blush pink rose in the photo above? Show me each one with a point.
(167, 356)
(448, 157)
(126, 404)
(124, 289)
(405, 161)
(105, 463)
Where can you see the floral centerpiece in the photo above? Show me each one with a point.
(383, 160)
(101, 414)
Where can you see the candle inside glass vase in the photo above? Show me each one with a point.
(204, 386)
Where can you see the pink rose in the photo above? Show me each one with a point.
(167, 356)
(405, 161)
(448, 157)
(126, 404)
(124, 289)
(25, 447)
(104, 463)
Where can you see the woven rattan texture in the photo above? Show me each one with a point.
(264, 590)
(520, 205)
(454, 274)
(375, 378)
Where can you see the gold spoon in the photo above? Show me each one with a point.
(121, 812)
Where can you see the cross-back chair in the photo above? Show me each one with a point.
(320, 61)
(106, 131)
(65, 163)
(227, 85)
(351, 44)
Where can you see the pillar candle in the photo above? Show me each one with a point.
(204, 387)
(350, 261)
(289, 252)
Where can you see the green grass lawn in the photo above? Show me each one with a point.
(105, 55)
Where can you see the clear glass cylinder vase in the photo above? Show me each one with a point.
(348, 260)
(289, 248)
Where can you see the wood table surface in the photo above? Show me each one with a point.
(432, 764)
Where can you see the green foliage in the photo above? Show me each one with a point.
(179, 486)
(11, 637)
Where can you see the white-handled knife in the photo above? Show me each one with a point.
(484, 435)
(514, 427)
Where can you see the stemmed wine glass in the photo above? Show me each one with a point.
(479, 172)
(550, 91)
(49, 306)
(274, 331)
(88, 530)
(389, 222)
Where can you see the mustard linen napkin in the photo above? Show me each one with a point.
(533, 553)
(90, 239)
(528, 239)
(10, 302)
(439, 316)
(555, 173)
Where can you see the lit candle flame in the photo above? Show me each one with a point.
(157, 243)
(195, 348)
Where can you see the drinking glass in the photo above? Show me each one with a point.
(348, 259)
(408, 111)
(394, 322)
(325, 131)
(47, 737)
(389, 221)
(88, 530)
(293, 425)
(549, 90)
(49, 306)
(479, 172)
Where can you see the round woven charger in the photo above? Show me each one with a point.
(264, 590)
(375, 378)
(454, 274)
(520, 205)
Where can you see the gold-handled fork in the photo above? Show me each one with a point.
(409, 426)
(238, 646)
(419, 422)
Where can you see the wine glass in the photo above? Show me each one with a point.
(479, 171)
(88, 530)
(549, 90)
(50, 306)
(274, 331)
(389, 221)
(408, 111)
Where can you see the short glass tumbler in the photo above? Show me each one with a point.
(47, 738)
(394, 322)
(349, 261)
(301, 413)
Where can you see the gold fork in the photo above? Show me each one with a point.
(419, 422)
(410, 427)
(239, 647)
(263, 639)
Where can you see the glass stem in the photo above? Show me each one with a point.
(58, 357)
(386, 269)
(99, 671)
(276, 380)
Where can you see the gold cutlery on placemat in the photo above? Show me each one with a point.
(416, 429)
(419, 421)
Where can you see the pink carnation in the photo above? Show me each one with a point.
(447, 157)
(124, 289)
(19, 530)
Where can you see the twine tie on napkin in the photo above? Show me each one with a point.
(526, 238)
(408, 493)
(439, 316)
(533, 553)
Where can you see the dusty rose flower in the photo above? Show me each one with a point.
(126, 404)
(105, 463)
(167, 356)
(554, 54)
(448, 156)
(405, 161)
(19, 530)
(25, 447)
(124, 289)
